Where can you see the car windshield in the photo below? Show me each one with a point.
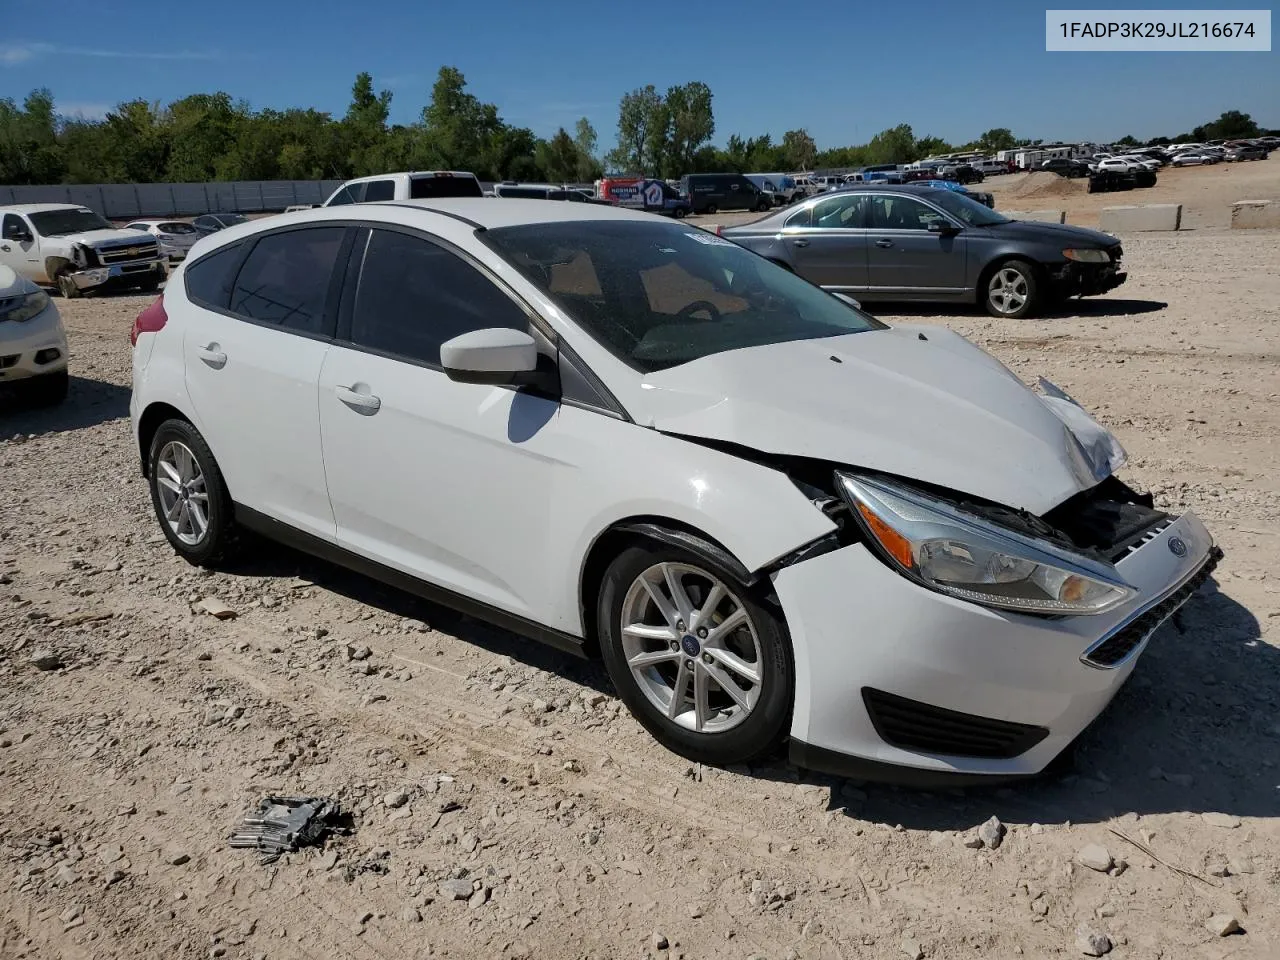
(57, 223)
(657, 295)
(967, 209)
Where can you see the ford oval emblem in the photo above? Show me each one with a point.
(1177, 547)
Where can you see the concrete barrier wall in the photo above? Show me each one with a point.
(1047, 216)
(1255, 215)
(1154, 216)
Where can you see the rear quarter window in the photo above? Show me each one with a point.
(209, 279)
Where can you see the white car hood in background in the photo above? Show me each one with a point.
(938, 410)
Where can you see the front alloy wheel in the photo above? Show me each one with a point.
(700, 661)
(691, 647)
(1011, 291)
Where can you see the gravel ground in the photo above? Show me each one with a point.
(505, 805)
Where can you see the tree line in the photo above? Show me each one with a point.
(209, 137)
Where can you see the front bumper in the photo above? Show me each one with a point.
(32, 348)
(1003, 693)
(1085, 279)
(119, 275)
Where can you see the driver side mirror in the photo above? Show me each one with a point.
(17, 232)
(499, 356)
(943, 227)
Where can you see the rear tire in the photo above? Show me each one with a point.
(190, 498)
(688, 662)
(712, 209)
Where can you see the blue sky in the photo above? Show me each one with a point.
(844, 73)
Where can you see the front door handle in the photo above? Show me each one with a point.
(360, 402)
(884, 243)
(801, 243)
(212, 355)
(6, 248)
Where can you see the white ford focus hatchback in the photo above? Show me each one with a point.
(774, 517)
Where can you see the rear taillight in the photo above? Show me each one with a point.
(150, 320)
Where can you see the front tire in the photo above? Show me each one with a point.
(67, 287)
(699, 660)
(1011, 290)
(190, 498)
(712, 209)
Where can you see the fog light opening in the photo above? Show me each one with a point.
(48, 355)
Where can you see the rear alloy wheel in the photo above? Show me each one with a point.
(190, 499)
(701, 664)
(1011, 291)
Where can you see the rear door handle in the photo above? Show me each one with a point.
(801, 243)
(362, 402)
(884, 243)
(212, 355)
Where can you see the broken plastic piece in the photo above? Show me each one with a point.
(283, 824)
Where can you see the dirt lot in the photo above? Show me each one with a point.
(504, 805)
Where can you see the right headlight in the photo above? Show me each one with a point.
(24, 306)
(966, 557)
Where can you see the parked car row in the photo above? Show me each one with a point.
(775, 517)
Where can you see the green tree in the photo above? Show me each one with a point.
(641, 119)
(931, 146)
(895, 145)
(1231, 125)
(365, 127)
(558, 157)
(799, 148)
(585, 140)
(996, 139)
(689, 125)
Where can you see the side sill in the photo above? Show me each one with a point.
(280, 532)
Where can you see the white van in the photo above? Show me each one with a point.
(417, 185)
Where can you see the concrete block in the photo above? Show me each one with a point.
(1046, 216)
(1255, 215)
(1152, 216)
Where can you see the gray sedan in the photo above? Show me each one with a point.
(924, 244)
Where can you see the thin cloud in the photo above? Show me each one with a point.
(15, 53)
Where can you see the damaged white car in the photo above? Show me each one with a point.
(776, 518)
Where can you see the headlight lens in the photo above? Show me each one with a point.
(968, 558)
(1087, 256)
(24, 306)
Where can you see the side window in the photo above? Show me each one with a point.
(844, 212)
(341, 198)
(285, 280)
(414, 295)
(901, 213)
(12, 226)
(801, 218)
(209, 279)
(379, 190)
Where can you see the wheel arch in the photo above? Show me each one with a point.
(654, 529)
(155, 414)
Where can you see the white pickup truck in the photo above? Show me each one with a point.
(74, 249)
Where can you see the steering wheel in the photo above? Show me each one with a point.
(689, 309)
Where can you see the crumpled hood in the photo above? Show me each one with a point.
(106, 239)
(938, 410)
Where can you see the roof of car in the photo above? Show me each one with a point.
(40, 207)
(494, 212)
(410, 173)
